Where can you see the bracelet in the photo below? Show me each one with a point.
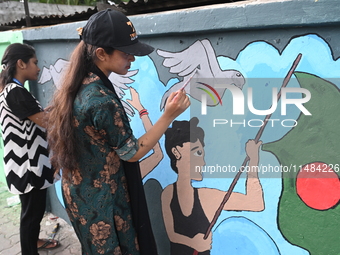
(143, 112)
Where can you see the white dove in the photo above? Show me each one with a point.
(55, 73)
(199, 60)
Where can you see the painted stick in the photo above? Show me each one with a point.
(257, 138)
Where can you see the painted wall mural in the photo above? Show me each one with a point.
(286, 199)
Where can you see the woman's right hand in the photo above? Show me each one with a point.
(176, 103)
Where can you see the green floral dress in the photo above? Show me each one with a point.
(96, 197)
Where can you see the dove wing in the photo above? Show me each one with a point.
(60, 64)
(45, 75)
(183, 63)
(119, 81)
(212, 62)
(119, 84)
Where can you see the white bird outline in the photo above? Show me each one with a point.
(55, 73)
(201, 58)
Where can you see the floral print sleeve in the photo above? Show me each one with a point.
(112, 120)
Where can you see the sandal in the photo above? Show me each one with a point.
(49, 244)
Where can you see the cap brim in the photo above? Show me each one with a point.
(137, 49)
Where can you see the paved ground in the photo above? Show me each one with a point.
(9, 229)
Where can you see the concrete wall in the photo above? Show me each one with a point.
(293, 207)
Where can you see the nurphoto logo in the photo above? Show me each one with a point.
(211, 95)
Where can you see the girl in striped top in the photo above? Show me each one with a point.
(26, 161)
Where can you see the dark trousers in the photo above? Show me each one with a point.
(33, 206)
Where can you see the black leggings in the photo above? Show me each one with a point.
(33, 206)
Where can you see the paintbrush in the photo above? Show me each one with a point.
(187, 82)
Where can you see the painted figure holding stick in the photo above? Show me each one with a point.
(188, 211)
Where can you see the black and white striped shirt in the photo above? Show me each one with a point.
(26, 159)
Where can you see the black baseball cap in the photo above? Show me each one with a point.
(111, 28)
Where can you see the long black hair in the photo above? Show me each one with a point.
(61, 130)
(12, 54)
